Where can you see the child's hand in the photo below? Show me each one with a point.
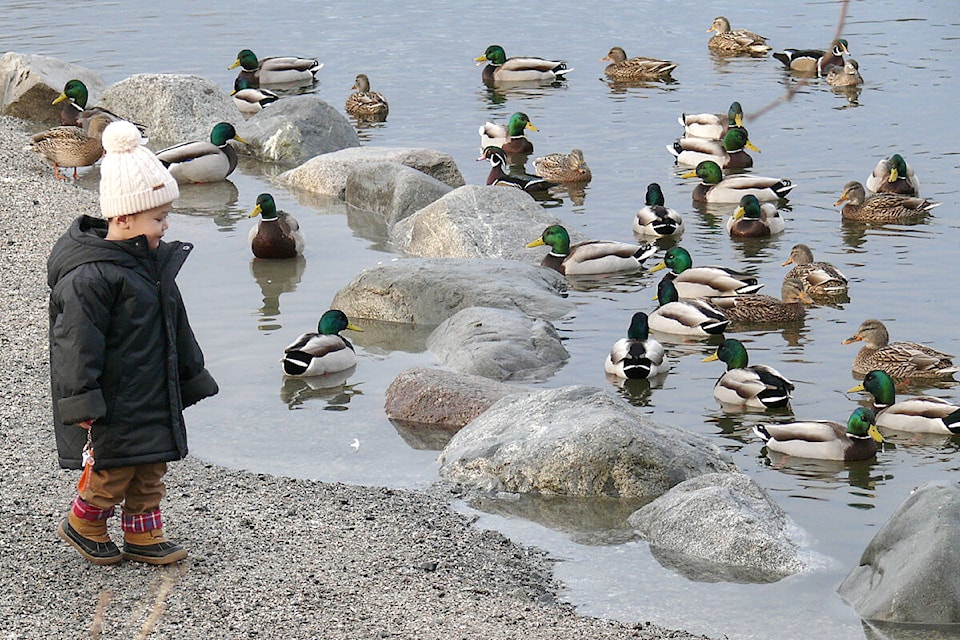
(86, 424)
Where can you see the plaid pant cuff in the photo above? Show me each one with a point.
(141, 522)
(86, 511)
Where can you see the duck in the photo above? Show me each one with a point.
(499, 175)
(322, 352)
(624, 69)
(727, 153)
(74, 111)
(563, 167)
(894, 175)
(655, 218)
(250, 99)
(70, 146)
(693, 317)
(814, 60)
(902, 359)
(753, 219)
(203, 161)
(275, 69)
(704, 282)
(762, 308)
(735, 40)
(881, 207)
(510, 138)
(638, 356)
(920, 414)
(711, 125)
(757, 386)
(364, 103)
(847, 75)
(277, 235)
(714, 187)
(818, 278)
(591, 257)
(825, 439)
(519, 68)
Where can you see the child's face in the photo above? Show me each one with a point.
(151, 223)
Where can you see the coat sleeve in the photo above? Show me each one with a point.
(196, 383)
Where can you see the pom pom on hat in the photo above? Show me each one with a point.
(132, 179)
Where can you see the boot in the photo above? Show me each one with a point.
(151, 547)
(90, 538)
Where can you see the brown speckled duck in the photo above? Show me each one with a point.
(901, 359)
(624, 69)
(70, 146)
(366, 104)
(819, 278)
(761, 308)
(735, 40)
(881, 207)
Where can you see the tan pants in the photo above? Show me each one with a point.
(139, 488)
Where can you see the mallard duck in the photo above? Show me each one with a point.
(900, 359)
(201, 161)
(275, 69)
(818, 278)
(727, 153)
(704, 282)
(655, 218)
(563, 167)
(894, 175)
(591, 257)
(693, 317)
(735, 40)
(824, 439)
(277, 235)
(70, 146)
(880, 207)
(624, 69)
(519, 68)
(500, 177)
(847, 75)
(920, 414)
(762, 308)
(75, 112)
(757, 386)
(752, 219)
(365, 103)
(510, 138)
(711, 125)
(814, 60)
(638, 356)
(714, 187)
(323, 352)
(250, 99)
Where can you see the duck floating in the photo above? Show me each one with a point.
(499, 175)
(729, 40)
(814, 60)
(715, 187)
(894, 175)
(711, 125)
(902, 359)
(728, 153)
(591, 257)
(920, 414)
(882, 208)
(757, 386)
(818, 278)
(277, 235)
(824, 439)
(201, 161)
(250, 99)
(563, 167)
(364, 103)
(624, 69)
(655, 219)
(847, 75)
(511, 137)
(761, 308)
(275, 69)
(707, 281)
(71, 146)
(322, 352)
(638, 356)
(693, 317)
(74, 111)
(501, 69)
(753, 219)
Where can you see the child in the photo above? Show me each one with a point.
(124, 362)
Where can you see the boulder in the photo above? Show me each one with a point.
(30, 83)
(500, 344)
(391, 190)
(576, 441)
(720, 527)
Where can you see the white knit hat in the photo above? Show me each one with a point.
(132, 179)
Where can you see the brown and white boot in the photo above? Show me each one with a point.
(90, 538)
(151, 547)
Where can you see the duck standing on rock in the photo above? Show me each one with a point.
(201, 161)
(275, 69)
(825, 439)
(757, 386)
(501, 69)
(364, 103)
(70, 146)
(277, 235)
(638, 356)
(321, 352)
(591, 257)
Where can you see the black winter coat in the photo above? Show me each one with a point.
(121, 349)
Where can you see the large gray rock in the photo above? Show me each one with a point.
(295, 129)
(498, 343)
(175, 108)
(576, 441)
(30, 83)
(427, 292)
(327, 173)
(392, 190)
(910, 570)
(720, 527)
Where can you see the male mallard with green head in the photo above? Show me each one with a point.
(655, 219)
(509, 137)
(591, 257)
(277, 234)
(893, 175)
(753, 219)
(275, 69)
(715, 187)
(757, 386)
(203, 161)
(322, 352)
(824, 439)
(920, 414)
(706, 281)
(638, 356)
(500, 68)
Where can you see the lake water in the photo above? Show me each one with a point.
(420, 58)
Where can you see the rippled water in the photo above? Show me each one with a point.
(420, 58)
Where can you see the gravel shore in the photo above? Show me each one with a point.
(270, 557)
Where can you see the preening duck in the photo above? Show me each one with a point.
(500, 68)
(920, 414)
(902, 359)
(322, 352)
(655, 219)
(735, 40)
(275, 69)
(814, 60)
(638, 356)
(714, 187)
(563, 167)
(693, 317)
(707, 281)
(202, 161)
(753, 219)
(364, 103)
(757, 386)
(624, 69)
(728, 153)
(824, 439)
(509, 137)
(70, 146)
(818, 278)
(590, 257)
(893, 175)
(499, 176)
(762, 308)
(249, 99)
(277, 234)
(711, 125)
(883, 208)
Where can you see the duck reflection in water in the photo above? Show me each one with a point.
(332, 388)
(275, 277)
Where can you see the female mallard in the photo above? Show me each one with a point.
(364, 103)
(824, 439)
(638, 356)
(818, 278)
(847, 75)
(900, 359)
(323, 352)
(756, 386)
(762, 308)
(655, 218)
(563, 167)
(277, 234)
(519, 68)
(711, 125)
(893, 175)
(704, 282)
(735, 40)
(275, 69)
(499, 175)
(624, 69)
(510, 138)
(694, 317)
(74, 111)
(249, 99)
(727, 153)
(591, 257)
(921, 414)
(814, 60)
(881, 207)
(201, 161)
(70, 146)
(755, 220)
(714, 187)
